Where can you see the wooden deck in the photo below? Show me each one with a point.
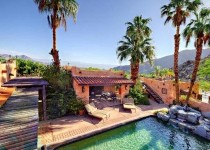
(54, 133)
(19, 121)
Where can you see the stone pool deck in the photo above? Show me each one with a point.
(54, 133)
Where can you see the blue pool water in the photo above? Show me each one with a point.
(145, 134)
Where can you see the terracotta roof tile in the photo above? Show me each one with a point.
(81, 80)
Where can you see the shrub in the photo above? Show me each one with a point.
(137, 93)
(75, 105)
(60, 93)
(29, 67)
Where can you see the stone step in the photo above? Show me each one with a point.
(156, 97)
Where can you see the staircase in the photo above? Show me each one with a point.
(152, 93)
(19, 122)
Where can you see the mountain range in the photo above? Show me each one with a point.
(71, 63)
(167, 61)
(164, 62)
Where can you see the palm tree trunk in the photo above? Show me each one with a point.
(135, 71)
(176, 61)
(54, 51)
(199, 48)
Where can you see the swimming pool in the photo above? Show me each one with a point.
(145, 134)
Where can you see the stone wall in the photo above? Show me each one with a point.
(7, 71)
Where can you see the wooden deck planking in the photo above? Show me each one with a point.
(19, 121)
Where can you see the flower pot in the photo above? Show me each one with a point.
(81, 112)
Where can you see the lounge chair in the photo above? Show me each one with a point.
(93, 111)
(128, 103)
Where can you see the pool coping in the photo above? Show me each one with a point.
(64, 142)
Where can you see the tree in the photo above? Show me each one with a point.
(157, 71)
(58, 11)
(177, 11)
(137, 45)
(137, 51)
(199, 28)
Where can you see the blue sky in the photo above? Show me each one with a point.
(92, 39)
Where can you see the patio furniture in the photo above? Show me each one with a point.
(128, 103)
(93, 111)
(110, 96)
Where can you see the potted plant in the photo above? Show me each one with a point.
(73, 106)
(81, 107)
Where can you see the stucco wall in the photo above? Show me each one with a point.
(108, 73)
(124, 90)
(6, 69)
(168, 98)
(204, 107)
(80, 94)
(109, 88)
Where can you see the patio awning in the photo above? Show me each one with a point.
(100, 81)
(25, 82)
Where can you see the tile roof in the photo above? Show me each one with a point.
(81, 80)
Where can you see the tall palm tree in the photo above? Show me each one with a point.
(199, 28)
(177, 11)
(58, 11)
(138, 52)
(138, 29)
(138, 32)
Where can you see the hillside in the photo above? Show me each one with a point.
(6, 56)
(72, 63)
(167, 61)
(186, 69)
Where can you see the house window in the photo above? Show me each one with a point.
(126, 87)
(164, 91)
(83, 89)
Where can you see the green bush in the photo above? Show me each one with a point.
(29, 67)
(2, 60)
(75, 105)
(60, 93)
(137, 93)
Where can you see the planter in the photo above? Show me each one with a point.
(81, 112)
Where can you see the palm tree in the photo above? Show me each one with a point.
(157, 71)
(177, 11)
(138, 52)
(138, 29)
(199, 28)
(58, 11)
(137, 40)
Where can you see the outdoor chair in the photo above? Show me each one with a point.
(128, 103)
(93, 111)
